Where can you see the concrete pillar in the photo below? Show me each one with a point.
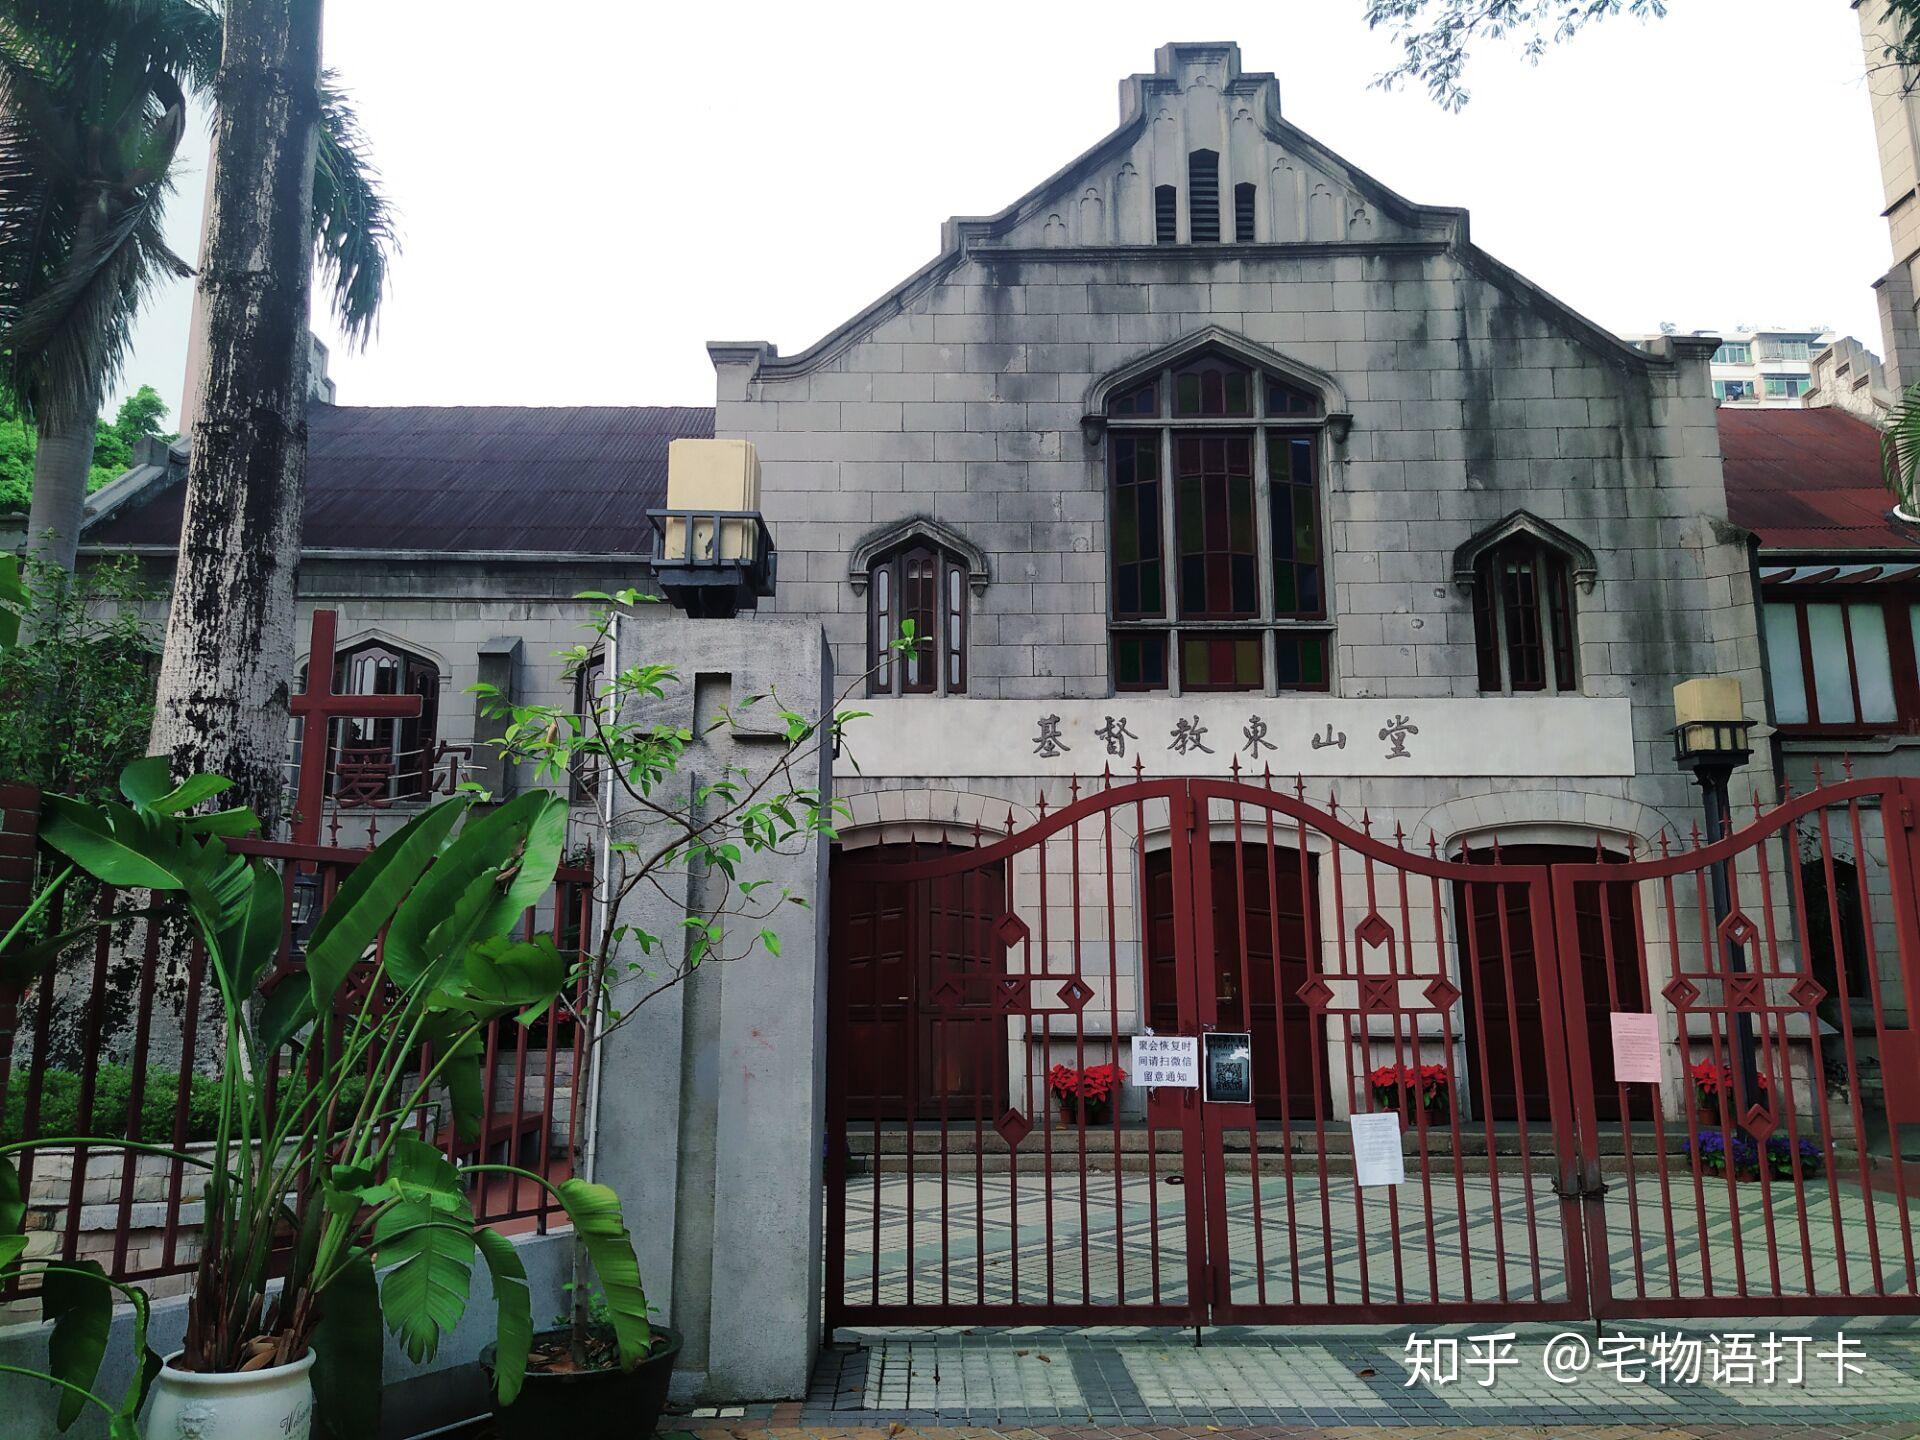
(711, 1093)
(1899, 328)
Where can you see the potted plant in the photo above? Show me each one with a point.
(1721, 1152)
(1780, 1152)
(1708, 1080)
(310, 1184)
(1386, 1084)
(600, 1397)
(1087, 1092)
(1402, 1088)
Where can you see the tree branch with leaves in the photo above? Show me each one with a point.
(1437, 38)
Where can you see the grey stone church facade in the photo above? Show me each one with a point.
(1213, 411)
(1209, 451)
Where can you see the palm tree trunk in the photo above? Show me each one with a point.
(227, 667)
(62, 458)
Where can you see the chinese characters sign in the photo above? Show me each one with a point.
(1547, 736)
(1172, 1061)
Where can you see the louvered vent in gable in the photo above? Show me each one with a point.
(1243, 199)
(1203, 196)
(1165, 214)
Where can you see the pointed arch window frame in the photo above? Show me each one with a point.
(951, 637)
(1493, 641)
(411, 777)
(1259, 645)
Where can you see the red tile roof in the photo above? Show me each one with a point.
(1809, 480)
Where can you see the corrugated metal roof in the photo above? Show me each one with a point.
(567, 480)
(1808, 480)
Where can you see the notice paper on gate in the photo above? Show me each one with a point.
(1377, 1156)
(1636, 1047)
(1172, 1061)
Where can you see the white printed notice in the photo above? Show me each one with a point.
(1636, 1047)
(1166, 1060)
(1377, 1157)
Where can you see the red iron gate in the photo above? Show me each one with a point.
(1462, 991)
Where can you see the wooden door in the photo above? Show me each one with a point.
(1502, 991)
(915, 964)
(1261, 997)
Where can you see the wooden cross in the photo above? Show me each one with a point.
(319, 707)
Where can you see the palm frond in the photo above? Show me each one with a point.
(353, 232)
(92, 111)
(1900, 452)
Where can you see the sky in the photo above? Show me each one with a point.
(590, 191)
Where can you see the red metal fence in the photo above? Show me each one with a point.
(1352, 973)
(104, 1040)
(138, 1215)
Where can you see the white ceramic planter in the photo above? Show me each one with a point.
(275, 1404)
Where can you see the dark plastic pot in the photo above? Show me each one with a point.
(589, 1404)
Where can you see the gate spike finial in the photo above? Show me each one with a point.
(1633, 846)
(1139, 767)
(1433, 844)
(1300, 786)
(1665, 849)
(1399, 835)
(1818, 780)
(1073, 788)
(1786, 789)
(1106, 776)
(1009, 819)
(1041, 805)
(977, 836)
(1366, 821)
(1846, 763)
(1695, 827)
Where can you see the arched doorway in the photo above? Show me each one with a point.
(1506, 1018)
(914, 968)
(1257, 989)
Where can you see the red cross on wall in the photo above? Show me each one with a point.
(319, 707)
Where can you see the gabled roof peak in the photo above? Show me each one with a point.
(1184, 65)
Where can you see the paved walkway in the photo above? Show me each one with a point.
(1134, 1382)
(1492, 1238)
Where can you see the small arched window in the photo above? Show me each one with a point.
(1523, 618)
(927, 585)
(371, 761)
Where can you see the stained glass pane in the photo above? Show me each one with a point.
(1300, 661)
(1220, 662)
(1212, 387)
(1139, 661)
(1295, 522)
(1213, 517)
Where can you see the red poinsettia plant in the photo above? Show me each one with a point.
(1394, 1085)
(1096, 1084)
(1711, 1081)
